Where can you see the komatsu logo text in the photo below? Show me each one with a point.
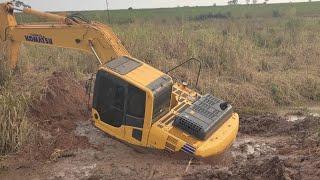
(38, 38)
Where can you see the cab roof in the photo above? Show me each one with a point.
(135, 70)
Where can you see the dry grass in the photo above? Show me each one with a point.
(256, 64)
(14, 127)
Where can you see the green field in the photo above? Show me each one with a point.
(310, 9)
(186, 13)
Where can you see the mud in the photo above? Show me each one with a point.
(67, 146)
(281, 150)
(55, 115)
(266, 124)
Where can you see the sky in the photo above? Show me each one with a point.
(72, 5)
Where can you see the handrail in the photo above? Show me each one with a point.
(94, 52)
(191, 59)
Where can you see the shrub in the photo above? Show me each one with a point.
(292, 26)
(14, 128)
(5, 74)
(247, 15)
(203, 17)
(276, 13)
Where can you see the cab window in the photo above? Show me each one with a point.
(109, 99)
(117, 102)
(135, 110)
(136, 102)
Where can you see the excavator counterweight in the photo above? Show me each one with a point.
(132, 101)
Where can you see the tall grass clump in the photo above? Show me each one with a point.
(44, 60)
(275, 13)
(5, 73)
(14, 127)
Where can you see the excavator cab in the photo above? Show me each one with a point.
(123, 104)
(119, 103)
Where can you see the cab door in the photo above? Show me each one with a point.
(135, 115)
(109, 101)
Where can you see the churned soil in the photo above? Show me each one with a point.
(269, 147)
(66, 145)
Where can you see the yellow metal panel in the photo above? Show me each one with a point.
(51, 16)
(117, 132)
(13, 51)
(216, 144)
(144, 74)
(221, 140)
(157, 138)
(128, 135)
(7, 20)
(148, 116)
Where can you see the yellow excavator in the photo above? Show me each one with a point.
(132, 101)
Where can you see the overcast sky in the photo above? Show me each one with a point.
(65, 5)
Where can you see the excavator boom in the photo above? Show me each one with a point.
(65, 32)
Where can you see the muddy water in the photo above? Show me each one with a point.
(274, 153)
(292, 118)
(299, 113)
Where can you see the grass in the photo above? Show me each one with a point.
(251, 64)
(302, 9)
(258, 57)
(14, 127)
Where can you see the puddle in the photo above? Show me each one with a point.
(293, 114)
(293, 118)
(315, 114)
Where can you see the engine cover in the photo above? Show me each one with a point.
(204, 116)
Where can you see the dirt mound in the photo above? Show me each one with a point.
(306, 126)
(272, 124)
(266, 124)
(272, 168)
(56, 113)
(306, 136)
(63, 98)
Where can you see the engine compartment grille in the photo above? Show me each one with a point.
(203, 117)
